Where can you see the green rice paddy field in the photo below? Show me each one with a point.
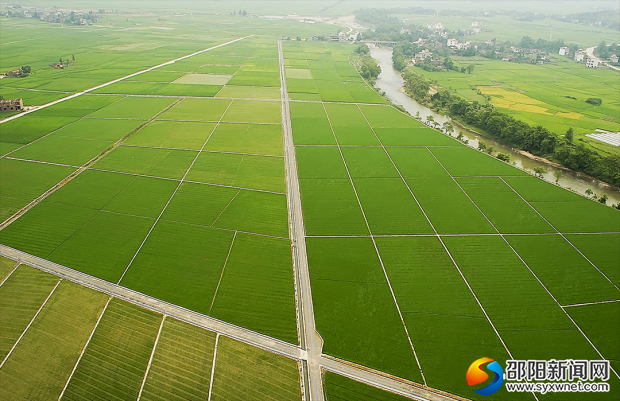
(377, 185)
(550, 95)
(85, 344)
(424, 255)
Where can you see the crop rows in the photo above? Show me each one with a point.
(464, 294)
(160, 236)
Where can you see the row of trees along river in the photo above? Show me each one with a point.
(506, 137)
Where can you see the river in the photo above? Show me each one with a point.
(390, 81)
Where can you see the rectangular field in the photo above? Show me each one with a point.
(181, 264)
(527, 318)
(173, 134)
(181, 364)
(354, 310)
(245, 171)
(330, 208)
(432, 296)
(41, 364)
(22, 182)
(115, 360)
(243, 372)
(21, 295)
(256, 289)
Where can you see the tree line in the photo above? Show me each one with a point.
(369, 67)
(536, 140)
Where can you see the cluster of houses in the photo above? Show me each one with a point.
(76, 17)
(14, 73)
(456, 45)
(341, 37)
(581, 55)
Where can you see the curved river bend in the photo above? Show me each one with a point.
(391, 82)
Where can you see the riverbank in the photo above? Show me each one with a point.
(390, 83)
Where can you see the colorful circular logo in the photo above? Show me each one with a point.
(475, 375)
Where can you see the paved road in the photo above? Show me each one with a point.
(311, 340)
(315, 359)
(206, 322)
(313, 344)
(310, 353)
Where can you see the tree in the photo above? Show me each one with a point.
(26, 69)
(448, 63)
(470, 68)
(558, 175)
(430, 120)
(589, 192)
(245, 13)
(569, 135)
(417, 115)
(603, 199)
(482, 146)
(504, 157)
(594, 100)
(540, 171)
(299, 38)
(448, 128)
(460, 136)
(490, 150)
(73, 57)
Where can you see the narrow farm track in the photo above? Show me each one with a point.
(79, 171)
(121, 79)
(154, 304)
(354, 371)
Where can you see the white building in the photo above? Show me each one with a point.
(423, 55)
(436, 27)
(613, 59)
(452, 42)
(592, 63)
(342, 37)
(475, 24)
(563, 51)
(580, 55)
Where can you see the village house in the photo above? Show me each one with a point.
(452, 42)
(420, 56)
(592, 63)
(436, 27)
(11, 104)
(14, 73)
(580, 55)
(613, 58)
(563, 51)
(342, 37)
